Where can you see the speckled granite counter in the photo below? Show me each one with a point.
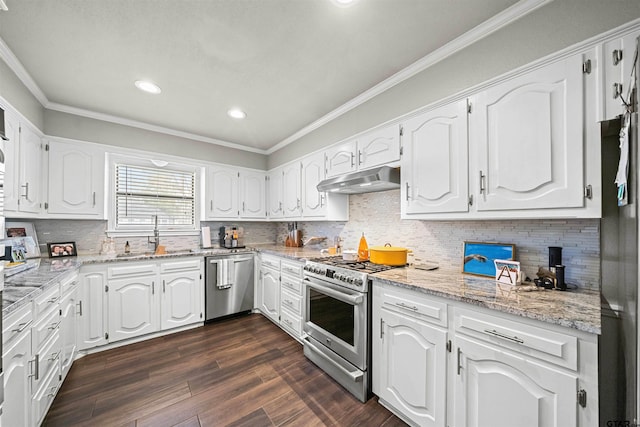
(577, 309)
(23, 287)
(298, 254)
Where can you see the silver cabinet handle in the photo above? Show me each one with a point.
(52, 300)
(403, 305)
(243, 207)
(211, 209)
(26, 190)
(359, 157)
(501, 335)
(459, 360)
(36, 362)
(163, 287)
(21, 327)
(79, 304)
(617, 90)
(54, 325)
(53, 392)
(407, 190)
(381, 327)
(280, 206)
(617, 56)
(322, 199)
(94, 198)
(54, 356)
(482, 187)
(153, 288)
(353, 159)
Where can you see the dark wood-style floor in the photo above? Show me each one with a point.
(240, 372)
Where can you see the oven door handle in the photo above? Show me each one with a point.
(340, 296)
(355, 376)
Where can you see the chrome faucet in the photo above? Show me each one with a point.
(156, 234)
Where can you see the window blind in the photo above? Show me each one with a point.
(143, 192)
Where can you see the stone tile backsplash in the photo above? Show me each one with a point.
(378, 216)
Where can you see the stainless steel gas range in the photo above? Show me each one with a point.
(337, 322)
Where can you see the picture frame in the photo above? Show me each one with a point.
(22, 235)
(64, 249)
(478, 257)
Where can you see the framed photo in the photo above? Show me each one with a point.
(59, 250)
(478, 257)
(22, 235)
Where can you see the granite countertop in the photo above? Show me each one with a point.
(576, 309)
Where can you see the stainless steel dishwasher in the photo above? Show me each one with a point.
(228, 285)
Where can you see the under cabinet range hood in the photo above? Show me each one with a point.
(367, 181)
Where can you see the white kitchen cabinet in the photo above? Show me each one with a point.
(234, 193)
(292, 192)
(341, 159)
(434, 167)
(617, 62)
(312, 171)
(275, 194)
(43, 397)
(18, 368)
(182, 300)
(222, 192)
(69, 327)
(253, 194)
(526, 139)
(291, 297)
(76, 180)
(92, 307)
(538, 395)
(133, 307)
(376, 148)
(24, 180)
(269, 288)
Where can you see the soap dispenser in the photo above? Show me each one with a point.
(127, 248)
(363, 249)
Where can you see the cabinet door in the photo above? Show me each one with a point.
(341, 159)
(413, 374)
(133, 307)
(379, 147)
(30, 171)
(291, 190)
(435, 162)
(252, 193)
(181, 301)
(92, 314)
(537, 395)
(17, 368)
(617, 60)
(269, 293)
(275, 194)
(68, 330)
(527, 137)
(11, 153)
(76, 180)
(313, 202)
(222, 184)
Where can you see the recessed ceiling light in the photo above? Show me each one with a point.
(343, 3)
(237, 113)
(147, 86)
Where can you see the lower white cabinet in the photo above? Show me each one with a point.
(69, 310)
(439, 362)
(119, 301)
(17, 367)
(269, 291)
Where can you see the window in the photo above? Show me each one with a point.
(143, 192)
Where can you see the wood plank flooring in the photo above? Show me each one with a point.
(238, 372)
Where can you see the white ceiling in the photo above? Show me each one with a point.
(287, 63)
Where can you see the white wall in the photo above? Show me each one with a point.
(548, 29)
(16, 94)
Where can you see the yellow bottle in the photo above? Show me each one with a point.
(363, 249)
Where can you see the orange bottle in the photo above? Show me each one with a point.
(363, 249)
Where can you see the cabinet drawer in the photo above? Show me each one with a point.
(122, 271)
(45, 302)
(181, 265)
(291, 302)
(43, 329)
(271, 262)
(15, 323)
(291, 268)
(291, 322)
(68, 284)
(415, 304)
(533, 341)
(292, 284)
(44, 397)
(48, 359)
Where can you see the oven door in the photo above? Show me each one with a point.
(336, 317)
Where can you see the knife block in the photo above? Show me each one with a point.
(294, 239)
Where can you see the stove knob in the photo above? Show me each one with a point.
(305, 268)
(358, 282)
(338, 276)
(350, 279)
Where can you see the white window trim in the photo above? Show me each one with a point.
(145, 231)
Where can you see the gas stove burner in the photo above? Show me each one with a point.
(362, 266)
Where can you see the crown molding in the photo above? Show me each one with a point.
(486, 28)
(16, 66)
(147, 126)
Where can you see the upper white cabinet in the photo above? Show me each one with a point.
(291, 193)
(234, 193)
(23, 179)
(376, 148)
(76, 180)
(275, 194)
(527, 140)
(435, 162)
(617, 63)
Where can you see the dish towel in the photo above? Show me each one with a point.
(226, 272)
(623, 163)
